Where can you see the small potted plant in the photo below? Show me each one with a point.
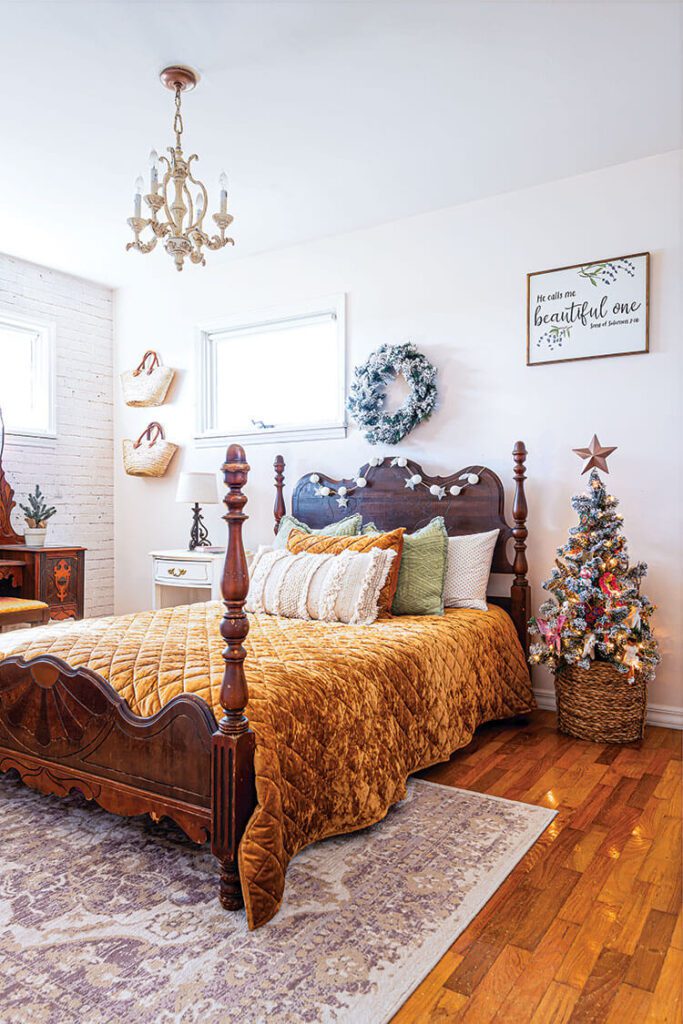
(36, 514)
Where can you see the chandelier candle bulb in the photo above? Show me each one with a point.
(139, 185)
(153, 171)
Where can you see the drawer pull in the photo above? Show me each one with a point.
(173, 571)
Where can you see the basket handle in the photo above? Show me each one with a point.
(143, 363)
(147, 432)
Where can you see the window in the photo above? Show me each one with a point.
(27, 377)
(278, 376)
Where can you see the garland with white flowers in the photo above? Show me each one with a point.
(343, 493)
(367, 393)
(437, 491)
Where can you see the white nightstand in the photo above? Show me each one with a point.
(184, 577)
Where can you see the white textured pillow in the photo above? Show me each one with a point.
(468, 570)
(333, 588)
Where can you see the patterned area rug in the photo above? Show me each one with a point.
(106, 920)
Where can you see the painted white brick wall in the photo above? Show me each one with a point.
(76, 471)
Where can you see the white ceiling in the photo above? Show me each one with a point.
(327, 116)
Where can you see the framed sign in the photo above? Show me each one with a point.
(588, 310)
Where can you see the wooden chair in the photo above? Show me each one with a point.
(16, 611)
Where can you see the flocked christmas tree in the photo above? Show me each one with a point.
(596, 610)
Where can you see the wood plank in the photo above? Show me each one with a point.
(600, 988)
(475, 964)
(651, 818)
(666, 1005)
(584, 951)
(662, 866)
(620, 881)
(611, 812)
(582, 854)
(557, 1005)
(653, 944)
(527, 992)
(629, 1005)
(632, 918)
(643, 791)
(587, 812)
(544, 907)
(584, 895)
(491, 992)
(677, 937)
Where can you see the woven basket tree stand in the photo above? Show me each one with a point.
(600, 703)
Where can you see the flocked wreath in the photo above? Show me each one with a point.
(366, 398)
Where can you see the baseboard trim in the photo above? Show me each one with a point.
(657, 714)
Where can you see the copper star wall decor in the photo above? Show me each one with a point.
(595, 453)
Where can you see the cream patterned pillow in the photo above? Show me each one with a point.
(468, 570)
(332, 588)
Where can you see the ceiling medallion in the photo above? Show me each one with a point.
(175, 215)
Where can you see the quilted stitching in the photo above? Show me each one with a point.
(342, 714)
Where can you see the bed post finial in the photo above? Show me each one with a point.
(280, 507)
(233, 795)
(520, 591)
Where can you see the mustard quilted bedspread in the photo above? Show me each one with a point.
(342, 714)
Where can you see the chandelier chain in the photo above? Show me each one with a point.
(178, 119)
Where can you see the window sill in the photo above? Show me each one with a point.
(28, 440)
(270, 437)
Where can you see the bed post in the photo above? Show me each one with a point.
(280, 508)
(232, 754)
(520, 592)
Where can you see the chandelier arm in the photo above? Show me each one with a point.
(190, 208)
(214, 242)
(164, 186)
(200, 184)
(142, 246)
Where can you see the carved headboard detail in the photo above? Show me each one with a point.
(387, 502)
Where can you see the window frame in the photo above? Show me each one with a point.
(47, 332)
(206, 436)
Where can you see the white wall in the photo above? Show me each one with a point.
(75, 471)
(453, 282)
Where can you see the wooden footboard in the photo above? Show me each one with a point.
(65, 729)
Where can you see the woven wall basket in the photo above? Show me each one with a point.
(600, 703)
(148, 383)
(150, 455)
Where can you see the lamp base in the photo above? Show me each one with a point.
(199, 535)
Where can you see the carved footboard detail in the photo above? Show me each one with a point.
(63, 728)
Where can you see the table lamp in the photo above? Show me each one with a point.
(194, 488)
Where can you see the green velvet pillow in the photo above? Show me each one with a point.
(348, 527)
(423, 570)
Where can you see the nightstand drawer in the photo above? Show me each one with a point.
(185, 573)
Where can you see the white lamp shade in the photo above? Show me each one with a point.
(198, 487)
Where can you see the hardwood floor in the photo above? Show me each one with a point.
(587, 928)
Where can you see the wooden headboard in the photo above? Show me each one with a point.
(387, 502)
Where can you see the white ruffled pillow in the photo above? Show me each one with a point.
(332, 588)
(468, 570)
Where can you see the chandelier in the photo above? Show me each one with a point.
(176, 215)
